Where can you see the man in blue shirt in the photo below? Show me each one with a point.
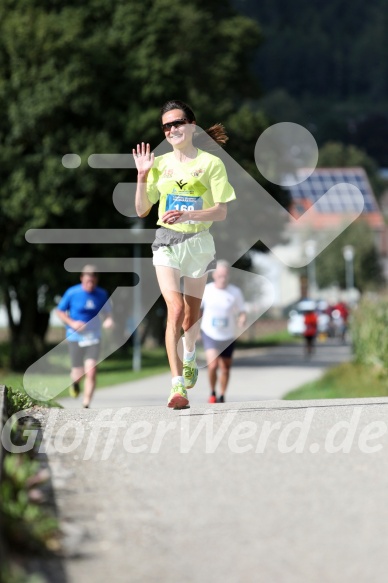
(81, 308)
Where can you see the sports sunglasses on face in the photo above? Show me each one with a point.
(176, 123)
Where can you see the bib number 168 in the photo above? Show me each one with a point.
(179, 202)
(184, 207)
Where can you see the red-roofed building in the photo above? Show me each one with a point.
(327, 212)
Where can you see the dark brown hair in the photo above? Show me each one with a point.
(203, 139)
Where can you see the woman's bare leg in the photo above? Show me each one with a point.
(193, 293)
(168, 279)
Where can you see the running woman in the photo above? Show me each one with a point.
(192, 188)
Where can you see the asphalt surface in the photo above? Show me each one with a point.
(253, 490)
(266, 373)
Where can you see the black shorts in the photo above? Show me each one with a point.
(224, 347)
(78, 354)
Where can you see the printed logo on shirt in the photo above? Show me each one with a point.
(90, 305)
(168, 172)
(180, 183)
(197, 172)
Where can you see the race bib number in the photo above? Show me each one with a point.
(179, 202)
(220, 322)
(88, 339)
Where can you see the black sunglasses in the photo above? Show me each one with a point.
(176, 123)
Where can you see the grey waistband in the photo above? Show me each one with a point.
(167, 237)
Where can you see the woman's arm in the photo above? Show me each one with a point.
(144, 161)
(217, 212)
(142, 204)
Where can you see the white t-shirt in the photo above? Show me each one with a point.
(221, 308)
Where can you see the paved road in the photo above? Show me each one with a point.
(256, 374)
(244, 492)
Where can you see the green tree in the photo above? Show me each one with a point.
(333, 61)
(90, 77)
(330, 264)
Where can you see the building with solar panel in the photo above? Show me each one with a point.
(321, 201)
(328, 210)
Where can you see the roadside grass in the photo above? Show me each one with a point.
(112, 371)
(271, 339)
(346, 381)
(117, 368)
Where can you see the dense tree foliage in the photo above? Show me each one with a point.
(323, 48)
(326, 66)
(90, 77)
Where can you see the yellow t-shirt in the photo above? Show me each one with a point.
(195, 185)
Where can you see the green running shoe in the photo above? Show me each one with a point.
(178, 397)
(74, 390)
(190, 373)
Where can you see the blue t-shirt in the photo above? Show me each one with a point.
(85, 306)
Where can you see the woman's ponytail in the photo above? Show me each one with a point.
(211, 139)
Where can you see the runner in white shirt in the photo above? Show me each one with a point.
(223, 313)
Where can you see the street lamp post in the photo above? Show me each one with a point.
(310, 249)
(348, 253)
(137, 305)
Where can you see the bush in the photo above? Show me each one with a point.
(18, 400)
(27, 523)
(369, 329)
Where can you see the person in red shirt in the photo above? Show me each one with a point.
(340, 315)
(310, 330)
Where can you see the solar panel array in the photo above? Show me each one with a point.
(315, 186)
